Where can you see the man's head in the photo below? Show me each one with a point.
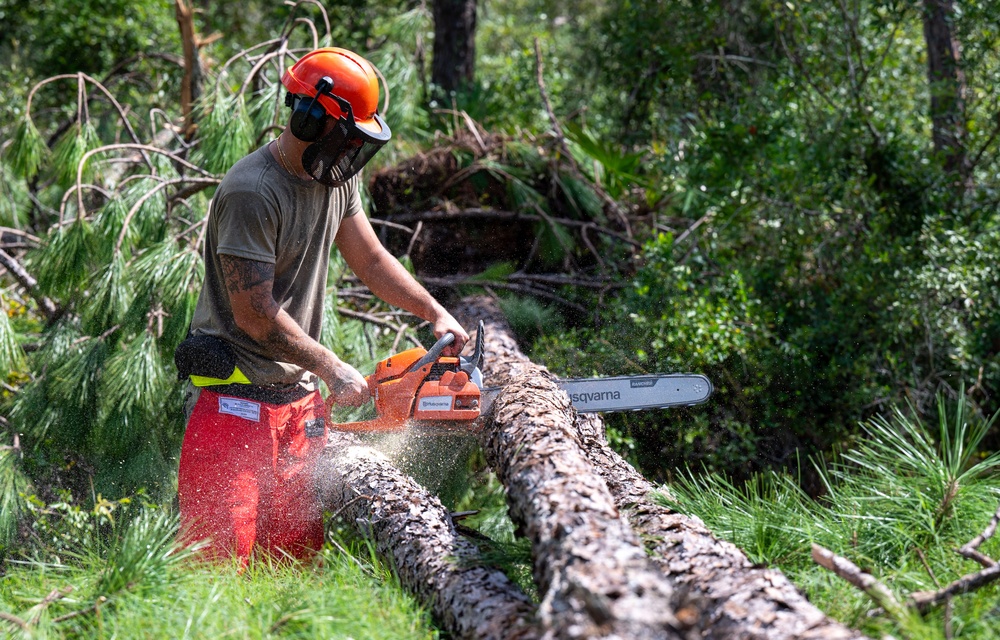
(333, 94)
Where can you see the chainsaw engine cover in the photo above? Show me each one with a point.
(452, 396)
(437, 393)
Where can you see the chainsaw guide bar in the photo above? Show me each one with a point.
(426, 393)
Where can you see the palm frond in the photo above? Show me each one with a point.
(555, 242)
(582, 198)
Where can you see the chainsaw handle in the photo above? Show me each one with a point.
(434, 352)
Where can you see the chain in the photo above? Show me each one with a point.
(284, 160)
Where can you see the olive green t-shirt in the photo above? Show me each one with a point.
(261, 212)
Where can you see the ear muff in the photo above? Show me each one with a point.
(308, 119)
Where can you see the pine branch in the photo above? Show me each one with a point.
(29, 283)
(970, 549)
(860, 579)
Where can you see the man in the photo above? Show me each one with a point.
(256, 419)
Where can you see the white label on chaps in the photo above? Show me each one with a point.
(240, 408)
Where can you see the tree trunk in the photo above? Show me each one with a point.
(454, 62)
(947, 85)
(193, 74)
(414, 533)
(724, 595)
(590, 568)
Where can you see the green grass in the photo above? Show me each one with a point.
(897, 504)
(138, 585)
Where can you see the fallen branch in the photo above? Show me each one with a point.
(860, 579)
(970, 549)
(923, 600)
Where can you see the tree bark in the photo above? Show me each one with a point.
(947, 85)
(722, 594)
(414, 533)
(454, 62)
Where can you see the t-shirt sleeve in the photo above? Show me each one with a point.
(354, 207)
(247, 226)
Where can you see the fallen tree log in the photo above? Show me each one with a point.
(414, 533)
(590, 568)
(721, 593)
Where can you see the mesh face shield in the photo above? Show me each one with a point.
(340, 154)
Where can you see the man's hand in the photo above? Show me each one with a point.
(347, 386)
(445, 324)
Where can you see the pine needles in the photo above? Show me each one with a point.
(12, 484)
(28, 150)
(11, 354)
(226, 133)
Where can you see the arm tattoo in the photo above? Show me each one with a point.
(253, 278)
(243, 275)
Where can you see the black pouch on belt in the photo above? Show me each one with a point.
(204, 356)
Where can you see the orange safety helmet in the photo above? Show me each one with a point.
(353, 78)
(338, 84)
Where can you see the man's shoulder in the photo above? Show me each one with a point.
(247, 174)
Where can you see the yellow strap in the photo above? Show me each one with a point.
(236, 378)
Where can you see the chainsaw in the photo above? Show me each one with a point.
(422, 387)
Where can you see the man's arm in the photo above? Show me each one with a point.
(386, 277)
(249, 284)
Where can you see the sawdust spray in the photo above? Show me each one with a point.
(437, 459)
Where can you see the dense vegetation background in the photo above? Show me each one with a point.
(798, 199)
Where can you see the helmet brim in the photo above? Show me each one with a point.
(374, 127)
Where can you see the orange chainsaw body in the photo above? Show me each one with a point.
(437, 393)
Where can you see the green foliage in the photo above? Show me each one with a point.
(28, 150)
(529, 318)
(63, 265)
(69, 152)
(143, 554)
(670, 321)
(109, 297)
(125, 559)
(897, 503)
(226, 133)
(11, 355)
(13, 484)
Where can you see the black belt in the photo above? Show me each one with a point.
(269, 395)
